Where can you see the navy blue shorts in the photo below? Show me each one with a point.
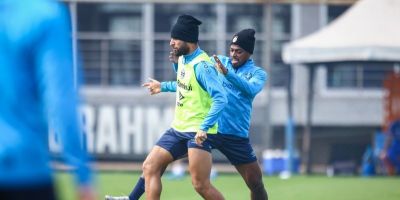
(237, 149)
(42, 192)
(177, 143)
(394, 155)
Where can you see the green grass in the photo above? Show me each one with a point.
(233, 188)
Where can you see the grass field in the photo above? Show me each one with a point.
(233, 188)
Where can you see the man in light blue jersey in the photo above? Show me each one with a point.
(37, 90)
(243, 81)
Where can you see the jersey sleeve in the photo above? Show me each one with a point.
(249, 87)
(207, 77)
(168, 86)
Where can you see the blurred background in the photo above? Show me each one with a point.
(327, 114)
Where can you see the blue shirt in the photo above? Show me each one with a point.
(36, 89)
(241, 85)
(207, 76)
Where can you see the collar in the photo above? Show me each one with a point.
(248, 63)
(190, 57)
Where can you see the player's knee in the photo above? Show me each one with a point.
(149, 168)
(255, 183)
(257, 188)
(200, 186)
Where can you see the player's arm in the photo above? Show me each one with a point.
(207, 76)
(250, 87)
(53, 58)
(156, 87)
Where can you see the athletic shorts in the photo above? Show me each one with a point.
(42, 192)
(394, 155)
(177, 143)
(237, 149)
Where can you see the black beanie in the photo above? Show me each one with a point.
(186, 29)
(245, 39)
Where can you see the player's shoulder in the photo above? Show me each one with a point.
(205, 67)
(259, 70)
(254, 68)
(255, 71)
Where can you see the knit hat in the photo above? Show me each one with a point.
(245, 39)
(186, 29)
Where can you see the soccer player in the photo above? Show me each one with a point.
(243, 81)
(200, 99)
(37, 90)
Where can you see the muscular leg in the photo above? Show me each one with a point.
(157, 160)
(252, 175)
(200, 167)
(139, 188)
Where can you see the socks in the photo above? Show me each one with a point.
(138, 191)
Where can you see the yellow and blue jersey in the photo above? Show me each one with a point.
(241, 86)
(207, 77)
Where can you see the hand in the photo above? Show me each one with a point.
(200, 137)
(153, 85)
(220, 67)
(172, 57)
(87, 193)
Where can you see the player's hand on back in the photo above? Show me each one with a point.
(219, 66)
(153, 86)
(200, 137)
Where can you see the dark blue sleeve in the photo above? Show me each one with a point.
(207, 76)
(56, 79)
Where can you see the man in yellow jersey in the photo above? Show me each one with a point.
(200, 98)
(242, 81)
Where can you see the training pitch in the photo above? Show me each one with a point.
(233, 188)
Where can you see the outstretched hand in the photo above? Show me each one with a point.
(153, 86)
(219, 66)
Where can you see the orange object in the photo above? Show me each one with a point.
(391, 99)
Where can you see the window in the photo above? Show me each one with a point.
(109, 17)
(358, 74)
(281, 24)
(335, 11)
(279, 73)
(162, 66)
(241, 16)
(109, 36)
(281, 30)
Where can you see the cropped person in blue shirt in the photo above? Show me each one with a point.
(242, 81)
(37, 90)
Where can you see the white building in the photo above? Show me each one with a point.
(123, 42)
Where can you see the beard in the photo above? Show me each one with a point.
(183, 50)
